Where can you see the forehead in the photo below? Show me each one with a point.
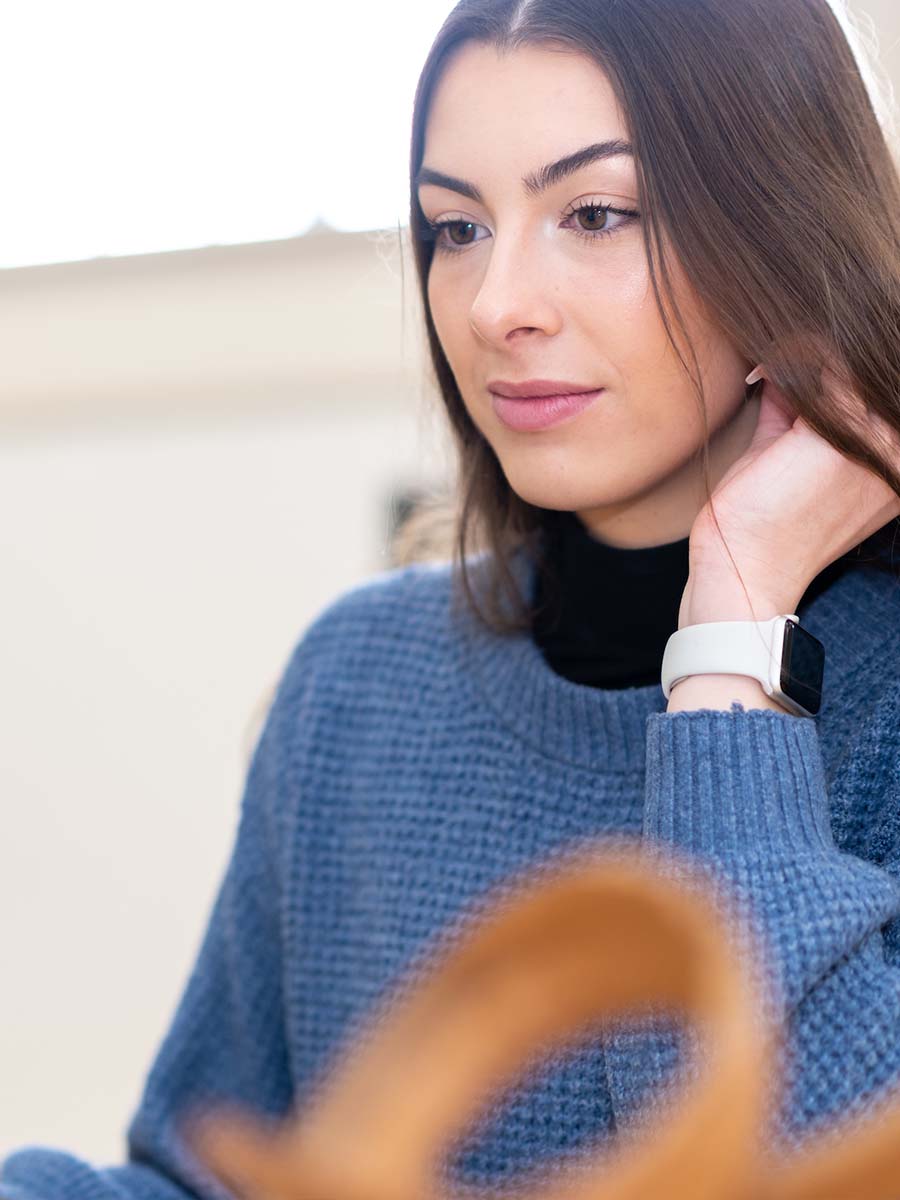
(539, 99)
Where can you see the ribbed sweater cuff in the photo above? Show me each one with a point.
(742, 784)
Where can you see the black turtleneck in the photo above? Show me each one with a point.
(617, 607)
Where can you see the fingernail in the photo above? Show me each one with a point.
(755, 375)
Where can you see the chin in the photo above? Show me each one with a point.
(551, 469)
(553, 485)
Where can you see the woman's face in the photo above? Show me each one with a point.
(524, 287)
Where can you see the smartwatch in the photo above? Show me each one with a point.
(787, 660)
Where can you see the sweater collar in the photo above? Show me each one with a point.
(568, 721)
(604, 728)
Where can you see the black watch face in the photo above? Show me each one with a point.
(802, 667)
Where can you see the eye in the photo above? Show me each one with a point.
(594, 212)
(433, 231)
(452, 236)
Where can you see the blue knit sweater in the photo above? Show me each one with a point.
(411, 760)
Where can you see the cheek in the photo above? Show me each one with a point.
(616, 285)
(449, 312)
(620, 314)
(613, 295)
(437, 307)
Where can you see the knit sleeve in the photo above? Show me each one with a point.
(745, 794)
(227, 1037)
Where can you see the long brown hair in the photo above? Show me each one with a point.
(759, 112)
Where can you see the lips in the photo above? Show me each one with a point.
(532, 389)
(528, 415)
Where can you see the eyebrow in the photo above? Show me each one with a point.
(537, 181)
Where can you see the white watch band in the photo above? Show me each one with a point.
(750, 648)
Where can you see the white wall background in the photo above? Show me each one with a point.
(197, 452)
(142, 127)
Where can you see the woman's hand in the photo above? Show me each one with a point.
(788, 507)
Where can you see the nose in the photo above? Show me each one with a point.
(515, 296)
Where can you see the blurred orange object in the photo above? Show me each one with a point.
(604, 935)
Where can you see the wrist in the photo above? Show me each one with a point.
(717, 602)
(712, 602)
(719, 692)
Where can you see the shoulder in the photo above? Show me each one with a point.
(396, 622)
(378, 653)
(409, 604)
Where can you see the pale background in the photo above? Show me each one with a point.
(198, 452)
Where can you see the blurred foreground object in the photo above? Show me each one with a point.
(602, 937)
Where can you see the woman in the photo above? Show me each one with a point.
(566, 155)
